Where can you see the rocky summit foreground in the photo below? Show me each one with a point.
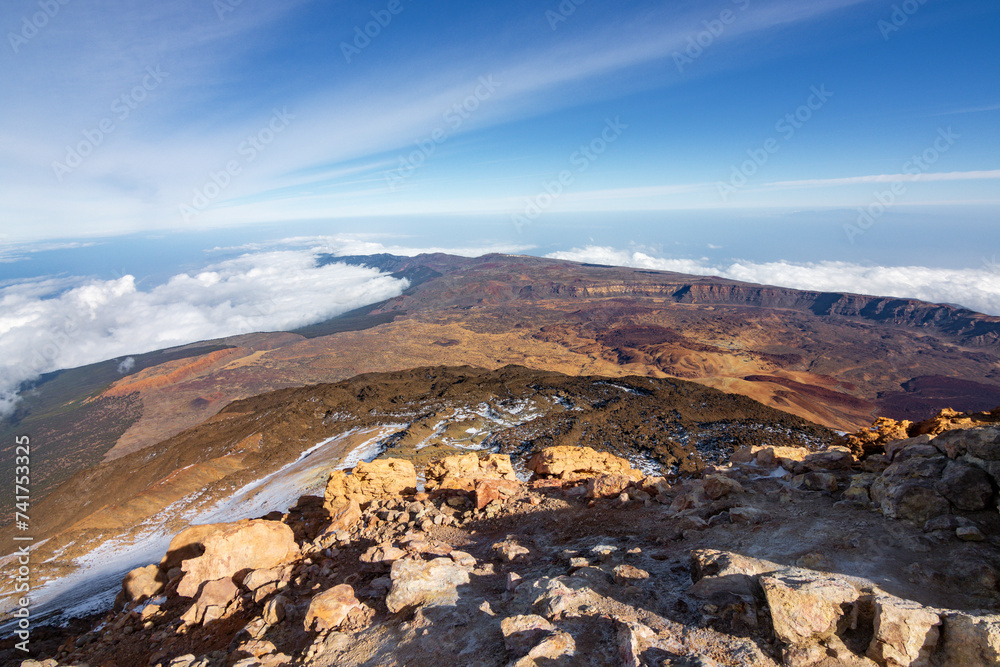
(881, 550)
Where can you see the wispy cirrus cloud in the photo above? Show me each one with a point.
(926, 177)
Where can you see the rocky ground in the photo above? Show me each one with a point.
(881, 550)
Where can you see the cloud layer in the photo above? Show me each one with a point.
(978, 289)
(55, 323)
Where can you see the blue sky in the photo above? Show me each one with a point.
(694, 90)
(168, 170)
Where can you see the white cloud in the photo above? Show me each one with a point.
(978, 289)
(50, 324)
(366, 244)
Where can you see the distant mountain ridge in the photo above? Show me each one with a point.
(972, 327)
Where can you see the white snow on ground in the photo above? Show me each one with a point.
(92, 587)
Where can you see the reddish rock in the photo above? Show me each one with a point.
(607, 486)
(463, 471)
(189, 543)
(488, 490)
(212, 603)
(330, 608)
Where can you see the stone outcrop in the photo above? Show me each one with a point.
(814, 614)
(578, 463)
(213, 601)
(462, 471)
(382, 478)
(934, 475)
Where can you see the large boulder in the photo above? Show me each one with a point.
(577, 463)
(462, 471)
(970, 640)
(967, 487)
(382, 478)
(236, 548)
(189, 543)
(980, 443)
(417, 583)
(906, 633)
(908, 489)
(806, 606)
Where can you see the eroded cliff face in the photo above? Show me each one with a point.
(536, 278)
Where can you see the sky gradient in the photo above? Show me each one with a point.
(169, 170)
(184, 115)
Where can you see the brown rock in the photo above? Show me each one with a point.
(719, 486)
(236, 547)
(143, 583)
(820, 481)
(628, 574)
(329, 609)
(833, 458)
(906, 633)
(509, 550)
(382, 478)
(212, 602)
(488, 490)
(463, 471)
(575, 463)
(607, 486)
(344, 515)
(189, 543)
(969, 640)
(557, 645)
(274, 610)
(806, 606)
(382, 553)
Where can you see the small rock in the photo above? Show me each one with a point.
(748, 515)
(274, 610)
(522, 633)
(462, 558)
(509, 550)
(969, 534)
(719, 486)
(628, 574)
